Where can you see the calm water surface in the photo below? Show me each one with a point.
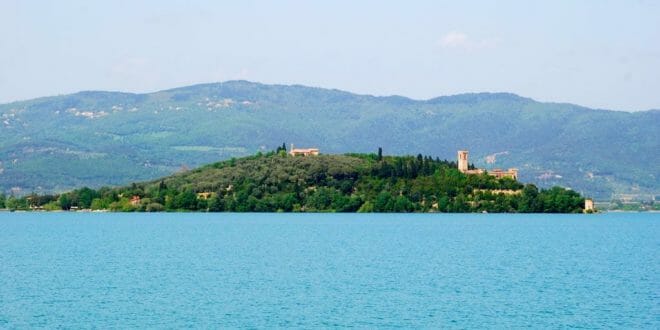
(77, 270)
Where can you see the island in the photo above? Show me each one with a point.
(304, 180)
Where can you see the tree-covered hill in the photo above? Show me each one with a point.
(55, 144)
(327, 183)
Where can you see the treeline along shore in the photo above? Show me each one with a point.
(278, 182)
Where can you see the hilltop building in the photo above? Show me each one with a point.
(303, 152)
(498, 173)
(463, 163)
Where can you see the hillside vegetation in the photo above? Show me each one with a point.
(326, 183)
(55, 144)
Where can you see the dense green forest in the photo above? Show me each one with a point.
(277, 182)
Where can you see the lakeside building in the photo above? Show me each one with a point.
(589, 205)
(498, 173)
(303, 152)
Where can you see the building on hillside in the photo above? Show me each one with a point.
(204, 195)
(463, 164)
(135, 200)
(498, 173)
(303, 152)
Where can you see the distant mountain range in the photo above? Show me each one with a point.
(54, 144)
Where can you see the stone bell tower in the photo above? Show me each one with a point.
(462, 161)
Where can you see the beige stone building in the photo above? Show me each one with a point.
(303, 152)
(498, 173)
(589, 205)
(135, 200)
(204, 195)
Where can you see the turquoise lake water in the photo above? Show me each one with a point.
(80, 270)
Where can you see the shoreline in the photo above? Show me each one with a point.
(228, 212)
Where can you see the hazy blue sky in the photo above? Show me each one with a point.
(597, 53)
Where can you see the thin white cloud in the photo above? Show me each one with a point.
(454, 40)
(460, 40)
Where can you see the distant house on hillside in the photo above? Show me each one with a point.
(204, 195)
(303, 152)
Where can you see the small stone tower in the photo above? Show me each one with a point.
(589, 205)
(462, 161)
